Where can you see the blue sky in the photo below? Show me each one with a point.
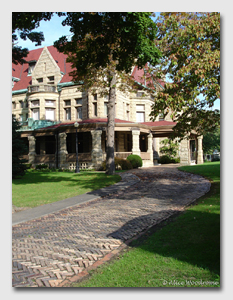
(53, 30)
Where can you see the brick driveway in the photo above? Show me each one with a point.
(51, 250)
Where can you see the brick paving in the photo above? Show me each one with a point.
(61, 247)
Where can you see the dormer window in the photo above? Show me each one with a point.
(140, 94)
(51, 80)
(31, 66)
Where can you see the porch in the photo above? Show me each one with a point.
(58, 150)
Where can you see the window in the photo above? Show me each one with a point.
(140, 113)
(26, 104)
(50, 114)
(13, 105)
(39, 80)
(79, 101)
(31, 66)
(95, 109)
(79, 112)
(50, 102)
(21, 104)
(95, 97)
(36, 114)
(68, 113)
(35, 103)
(105, 108)
(51, 80)
(67, 102)
(140, 94)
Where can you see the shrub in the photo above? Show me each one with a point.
(135, 160)
(166, 159)
(216, 158)
(120, 163)
(126, 165)
(28, 166)
(42, 166)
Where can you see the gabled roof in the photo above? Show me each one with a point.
(21, 71)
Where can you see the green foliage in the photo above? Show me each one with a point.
(166, 159)
(169, 147)
(28, 166)
(40, 187)
(41, 167)
(135, 160)
(102, 51)
(101, 38)
(170, 150)
(25, 23)
(211, 141)
(190, 44)
(120, 163)
(18, 149)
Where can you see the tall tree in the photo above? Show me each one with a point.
(211, 141)
(190, 45)
(103, 49)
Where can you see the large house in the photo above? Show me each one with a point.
(48, 103)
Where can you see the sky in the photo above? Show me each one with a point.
(53, 30)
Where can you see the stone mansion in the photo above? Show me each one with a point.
(48, 103)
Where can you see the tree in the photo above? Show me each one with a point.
(169, 147)
(24, 23)
(103, 49)
(190, 45)
(211, 141)
(18, 149)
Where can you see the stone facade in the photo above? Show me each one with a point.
(51, 96)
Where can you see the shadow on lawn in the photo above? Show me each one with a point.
(72, 178)
(193, 237)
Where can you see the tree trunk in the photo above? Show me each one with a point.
(110, 164)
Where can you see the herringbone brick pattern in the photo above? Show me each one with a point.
(55, 247)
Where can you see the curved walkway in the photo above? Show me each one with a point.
(62, 244)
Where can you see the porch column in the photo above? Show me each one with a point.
(96, 153)
(32, 150)
(184, 152)
(135, 140)
(150, 149)
(62, 150)
(199, 150)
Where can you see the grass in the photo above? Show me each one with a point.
(184, 253)
(43, 187)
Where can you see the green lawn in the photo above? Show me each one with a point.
(42, 187)
(184, 253)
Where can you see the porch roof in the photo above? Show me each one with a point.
(152, 126)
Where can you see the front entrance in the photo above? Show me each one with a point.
(193, 152)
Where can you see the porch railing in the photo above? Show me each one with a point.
(122, 154)
(82, 157)
(41, 88)
(145, 155)
(44, 158)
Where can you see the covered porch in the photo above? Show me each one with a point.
(56, 145)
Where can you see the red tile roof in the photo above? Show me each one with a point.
(138, 75)
(104, 120)
(21, 71)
